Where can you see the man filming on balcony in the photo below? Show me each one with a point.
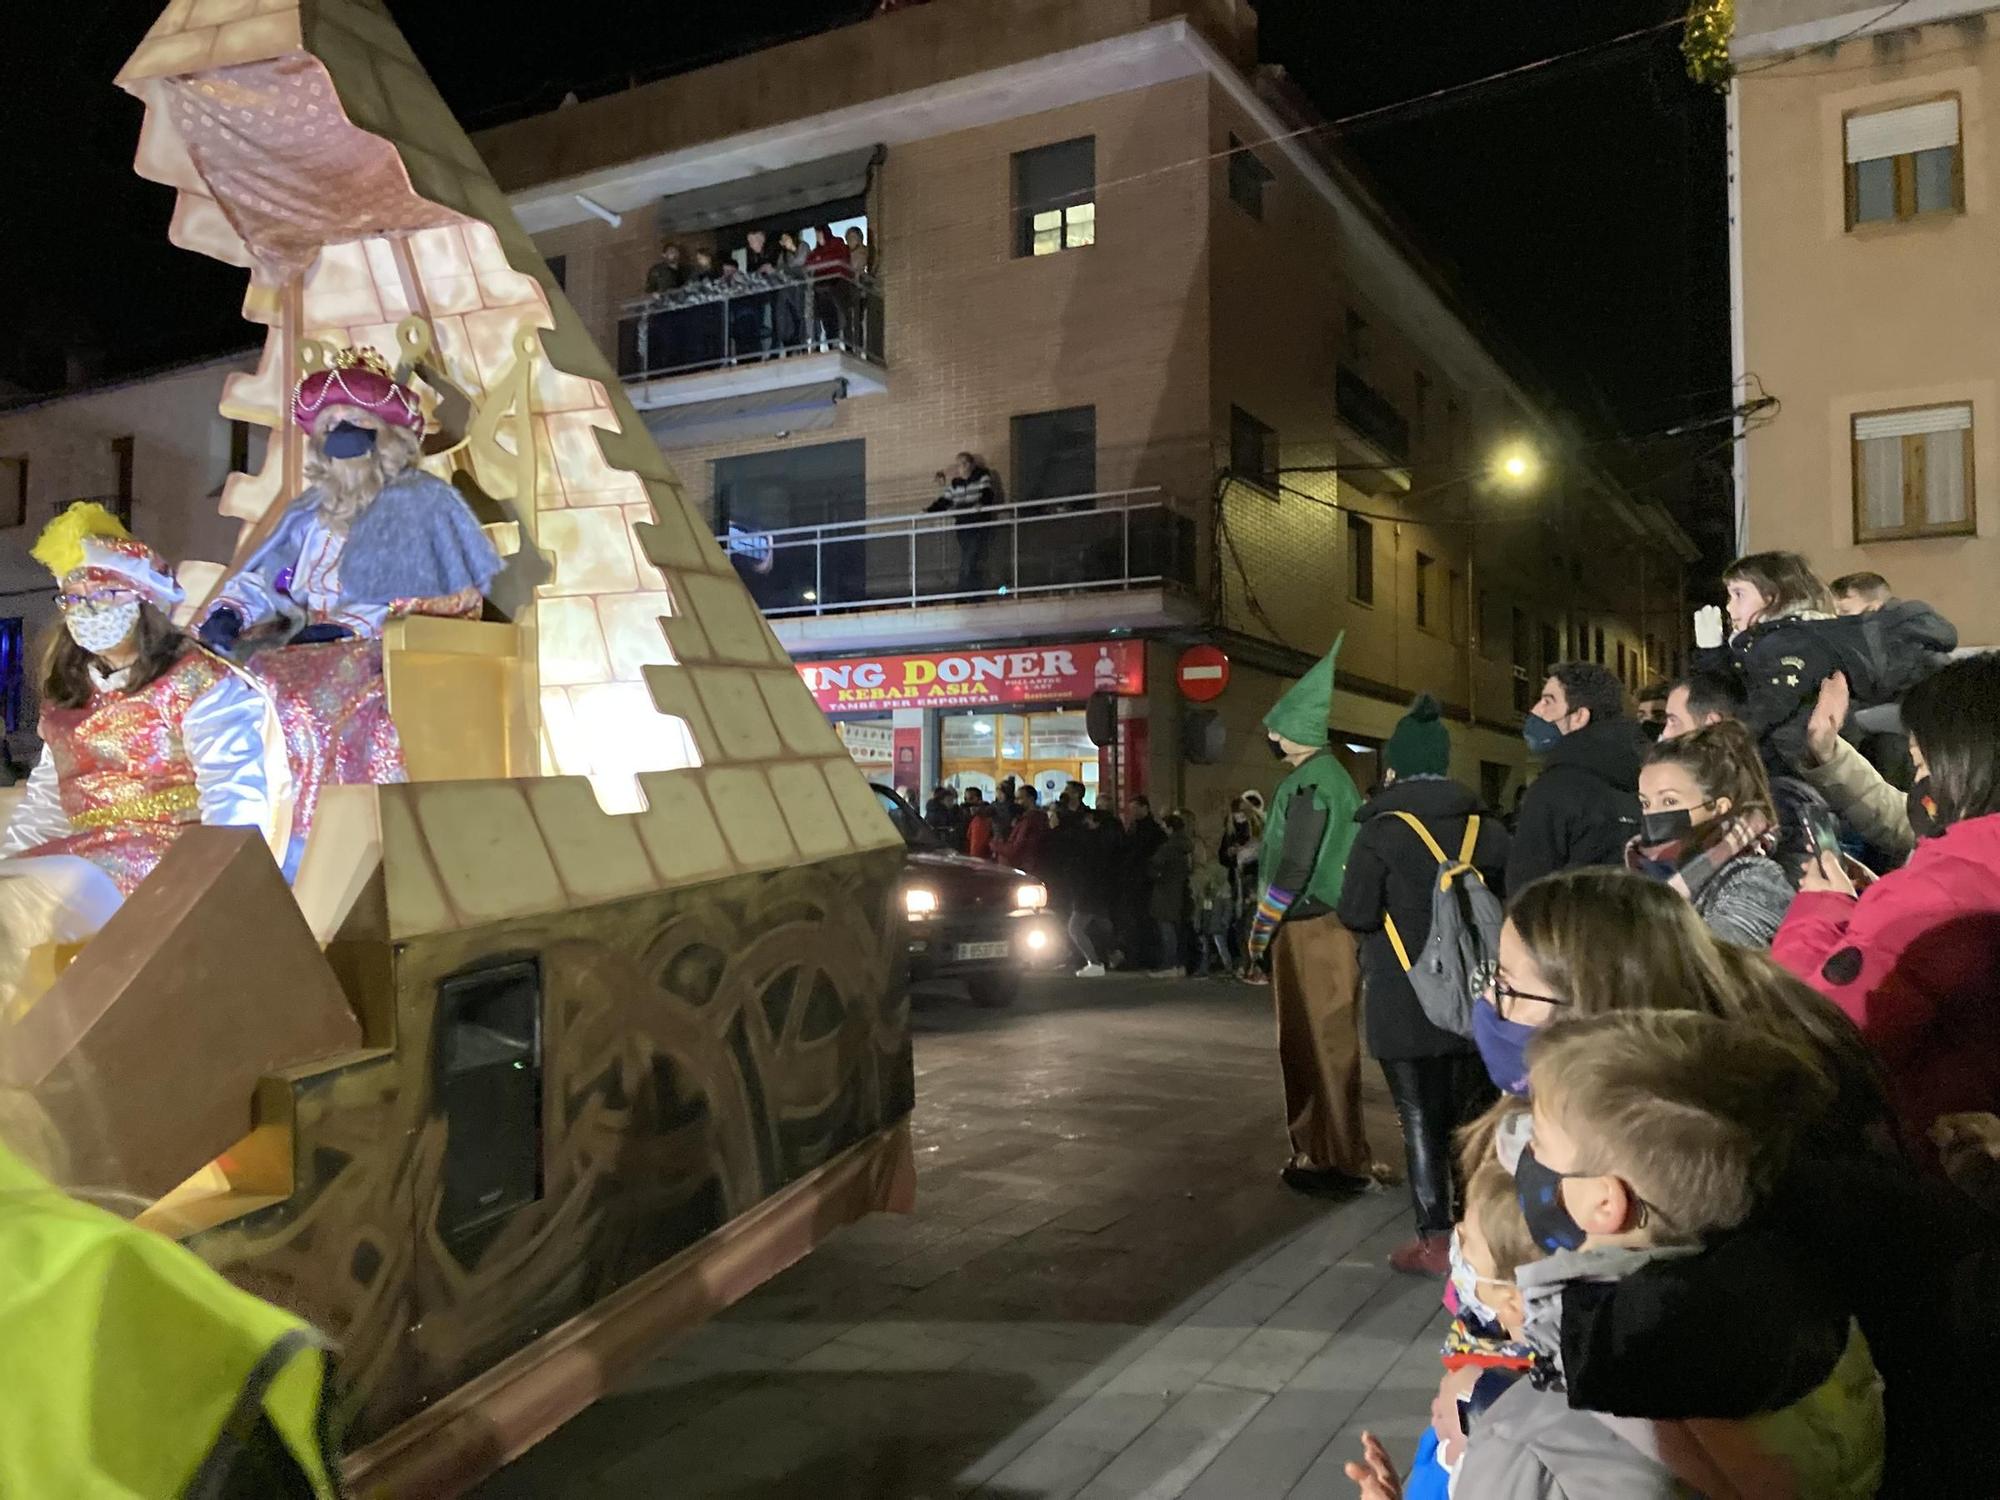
(968, 489)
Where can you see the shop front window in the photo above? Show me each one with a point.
(1047, 750)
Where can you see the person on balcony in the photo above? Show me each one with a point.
(667, 274)
(831, 269)
(968, 490)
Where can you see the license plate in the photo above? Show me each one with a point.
(982, 950)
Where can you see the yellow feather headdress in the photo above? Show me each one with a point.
(60, 546)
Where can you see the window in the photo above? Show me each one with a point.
(1248, 177)
(1055, 188)
(13, 491)
(1455, 605)
(559, 269)
(1253, 450)
(1454, 434)
(121, 459)
(1426, 566)
(13, 673)
(1904, 162)
(810, 486)
(1055, 453)
(1621, 662)
(1357, 338)
(1552, 648)
(1598, 655)
(1421, 403)
(1913, 473)
(1360, 559)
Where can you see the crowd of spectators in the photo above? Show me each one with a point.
(779, 295)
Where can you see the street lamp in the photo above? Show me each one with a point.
(1516, 465)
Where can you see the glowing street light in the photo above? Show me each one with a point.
(1516, 465)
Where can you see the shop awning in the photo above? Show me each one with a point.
(768, 195)
(729, 419)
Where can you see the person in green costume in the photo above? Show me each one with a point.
(1315, 970)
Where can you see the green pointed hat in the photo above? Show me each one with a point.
(1302, 711)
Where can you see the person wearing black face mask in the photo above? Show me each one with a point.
(1706, 826)
(1912, 957)
(1584, 806)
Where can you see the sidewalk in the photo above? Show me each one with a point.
(1105, 1292)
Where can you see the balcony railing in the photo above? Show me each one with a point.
(711, 325)
(1371, 414)
(1120, 539)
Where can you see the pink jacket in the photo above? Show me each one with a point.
(1915, 961)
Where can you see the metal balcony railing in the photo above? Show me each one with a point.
(1114, 540)
(711, 325)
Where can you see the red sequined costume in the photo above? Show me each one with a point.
(126, 774)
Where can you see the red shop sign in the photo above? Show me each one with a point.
(975, 679)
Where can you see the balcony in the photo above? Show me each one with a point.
(1110, 561)
(1380, 434)
(723, 351)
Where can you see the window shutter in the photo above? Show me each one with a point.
(1912, 423)
(1898, 132)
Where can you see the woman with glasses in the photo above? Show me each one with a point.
(1586, 942)
(145, 734)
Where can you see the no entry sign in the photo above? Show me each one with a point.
(1203, 672)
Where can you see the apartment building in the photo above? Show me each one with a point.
(1865, 281)
(1226, 403)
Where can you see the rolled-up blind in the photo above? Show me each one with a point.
(1898, 132)
(1910, 423)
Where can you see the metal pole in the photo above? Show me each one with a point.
(819, 585)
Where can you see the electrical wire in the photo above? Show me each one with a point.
(1779, 61)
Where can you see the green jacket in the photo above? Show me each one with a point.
(1307, 835)
(134, 1372)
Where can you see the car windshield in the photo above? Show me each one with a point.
(915, 831)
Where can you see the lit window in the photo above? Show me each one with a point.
(1903, 163)
(1055, 191)
(1913, 473)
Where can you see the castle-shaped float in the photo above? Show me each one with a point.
(596, 1021)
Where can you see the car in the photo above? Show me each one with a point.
(970, 919)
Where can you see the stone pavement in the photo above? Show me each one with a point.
(1104, 1293)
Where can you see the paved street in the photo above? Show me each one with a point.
(1104, 1293)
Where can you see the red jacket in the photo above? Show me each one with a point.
(1022, 848)
(979, 834)
(1915, 961)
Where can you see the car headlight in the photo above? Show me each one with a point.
(919, 900)
(1031, 897)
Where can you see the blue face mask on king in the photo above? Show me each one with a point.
(349, 440)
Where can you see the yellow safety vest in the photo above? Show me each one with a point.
(129, 1368)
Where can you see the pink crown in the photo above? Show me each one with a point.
(358, 378)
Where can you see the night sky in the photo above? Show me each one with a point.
(1579, 208)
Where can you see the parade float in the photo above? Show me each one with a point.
(500, 1064)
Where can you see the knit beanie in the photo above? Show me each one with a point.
(1421, 745)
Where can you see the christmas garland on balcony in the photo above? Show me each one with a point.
(1705, 42)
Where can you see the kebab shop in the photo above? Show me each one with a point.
(974, 717)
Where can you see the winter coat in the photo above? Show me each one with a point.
(1737, 1365)
(1168, 869)
(1583, 807)
(1064, 855)
(1212, 900)
(1531, 1446)
(1855, 793)
(942, 816)
(1913, 962)
(1745, 900)
(1755, 1321)
(1100, 865)
(1026, 845)
(1389, 871)
(979, 832)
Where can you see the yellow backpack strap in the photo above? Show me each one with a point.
(1471, 840)
(1396, 941)
(1424, 833)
